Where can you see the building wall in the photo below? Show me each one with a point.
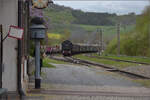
(9, 16)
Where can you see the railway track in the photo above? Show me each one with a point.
(112, 69)
(129, 61)
(90, 93)
(106, 67)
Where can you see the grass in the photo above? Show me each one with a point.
(107, 62)
(138, 59)
(47, 61)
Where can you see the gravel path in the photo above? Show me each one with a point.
(83, 78)
(83, 75)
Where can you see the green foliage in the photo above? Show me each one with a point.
(136, 42)
(92, 18)
(111, 48)
(61, 16)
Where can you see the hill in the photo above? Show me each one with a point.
(61, 14)
(83, 25)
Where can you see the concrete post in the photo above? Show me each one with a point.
(101, 35)
(1, 54)
(37, 64)
(99, 41)
(118, 38)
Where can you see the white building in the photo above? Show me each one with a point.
(15, 52)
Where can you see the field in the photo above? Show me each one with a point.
(54, 36)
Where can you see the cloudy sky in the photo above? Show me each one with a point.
(110, 6)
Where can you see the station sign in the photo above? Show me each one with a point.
(15, 32)
(40, 4)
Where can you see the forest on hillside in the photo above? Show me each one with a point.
(88, 18)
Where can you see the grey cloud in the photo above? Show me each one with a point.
(119, 7)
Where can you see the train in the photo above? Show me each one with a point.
(52, 50)
(69, 49)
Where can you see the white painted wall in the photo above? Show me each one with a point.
(9, 16)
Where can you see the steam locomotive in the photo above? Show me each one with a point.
(69, 49)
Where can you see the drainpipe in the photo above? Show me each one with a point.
(1, 53)
(19, 57)
(28, 35)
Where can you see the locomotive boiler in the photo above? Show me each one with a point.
(69, 49)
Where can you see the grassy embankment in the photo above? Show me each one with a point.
(129, 58)
(47, 62)
(108, 62)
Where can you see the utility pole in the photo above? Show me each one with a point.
(101, 40)
(98, 30)
(1, 54)
(118, 39)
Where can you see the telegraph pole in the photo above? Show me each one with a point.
(118, 39)
(101, 40)
(98, 30)
(1, 54)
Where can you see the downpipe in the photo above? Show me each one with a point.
(19, 57)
